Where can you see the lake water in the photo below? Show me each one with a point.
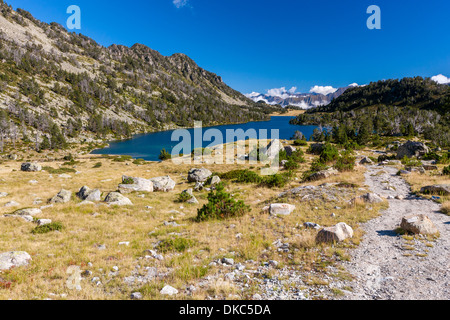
(148, 146)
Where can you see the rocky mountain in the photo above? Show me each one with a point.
(302, 100)
(53, 82)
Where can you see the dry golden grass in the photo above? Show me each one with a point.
(88, 226)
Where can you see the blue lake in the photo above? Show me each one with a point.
(148, 146)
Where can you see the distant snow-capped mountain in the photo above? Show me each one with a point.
(318, 95)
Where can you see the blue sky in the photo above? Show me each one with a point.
(265, 44)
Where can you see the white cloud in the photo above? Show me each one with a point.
(441, 79)
(281, 92)
(180, 3)
(353, 85)
(252, 95)
(323, 90)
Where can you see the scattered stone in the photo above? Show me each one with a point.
(30, 167)
(164, 184)
(11, 204)
(371, 198)
(43, 222)
(63, 196)
(366, 160)
(136, 296)
(215, 180)
(14, 259)
(28, 212)
(323, 174)
(168, 290)
(65, 176)
(429, 167)
(311, 225)
(199, 186)
(281, 209)
(228, 261)
(419, 224)
(88, 194)
(3, 194)
(117, 199)
(199, 175)
(337, 233)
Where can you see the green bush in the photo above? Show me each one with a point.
(221, 206)
(175, 244)
(97, 165)
(291, 165)
(411, 162)
(329, 153)
(300, 143)
(54, 226)
(277, 180)
(164, 155)
(446, 171)
(241, 176)
(346, 162)
(59, 170)
(184, 197)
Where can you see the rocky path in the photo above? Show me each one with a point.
(387, 266)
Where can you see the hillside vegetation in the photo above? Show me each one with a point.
(407, 107)
(59, 86)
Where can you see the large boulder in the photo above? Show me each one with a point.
(412, 149)
(131, 184)
(30, 167)
(63, 196)
(163, 183)
(199, 175)
(117, 199)
(290, 150)
(14, 259)
(440, 189)
(337, 233)
(418, 224)
(323, 174)
(365, 160)
(88, 194)
(283, 209)
(273, 149)
(28, 212)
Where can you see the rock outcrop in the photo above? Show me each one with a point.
(117, 199)
(337, 233)
(412, 149)
(14, 259)
(419, 224)
(164, 184)
(440, 189)
(30, 167)
(88, 194)
(63, 196)
(132, 184)
(199, 175)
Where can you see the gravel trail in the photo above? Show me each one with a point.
(385, 265)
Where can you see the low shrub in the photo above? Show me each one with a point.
(54, 226)
(164, 155)
(300, 143)
(177, 244)
(329, 153)
(97, 165)
(241, 176)
(446, 171)
(59, 170)
(346, 162)
(221, 205)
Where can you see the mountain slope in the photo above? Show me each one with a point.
(50, 78)
(390, 107)
(301, 100)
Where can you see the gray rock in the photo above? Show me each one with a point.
(30, 167)
(371, 198)
(228, 261)
(88, 194)
(366, 160)
(412, 149)
(199, 175)
(281, 209)
(115, 198)
(43, 222)
(311, 225)
(11, 204)
(136, 296)
(14, 259)
(273, 149)
(28, 212)
(214, 181)
(63, 196)
(337, 233)
(440, 189)
(168, 290)
(290, 150)
(3, 194)
(138, 184)
(322, 174)
(164, 184)
(419, 224)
